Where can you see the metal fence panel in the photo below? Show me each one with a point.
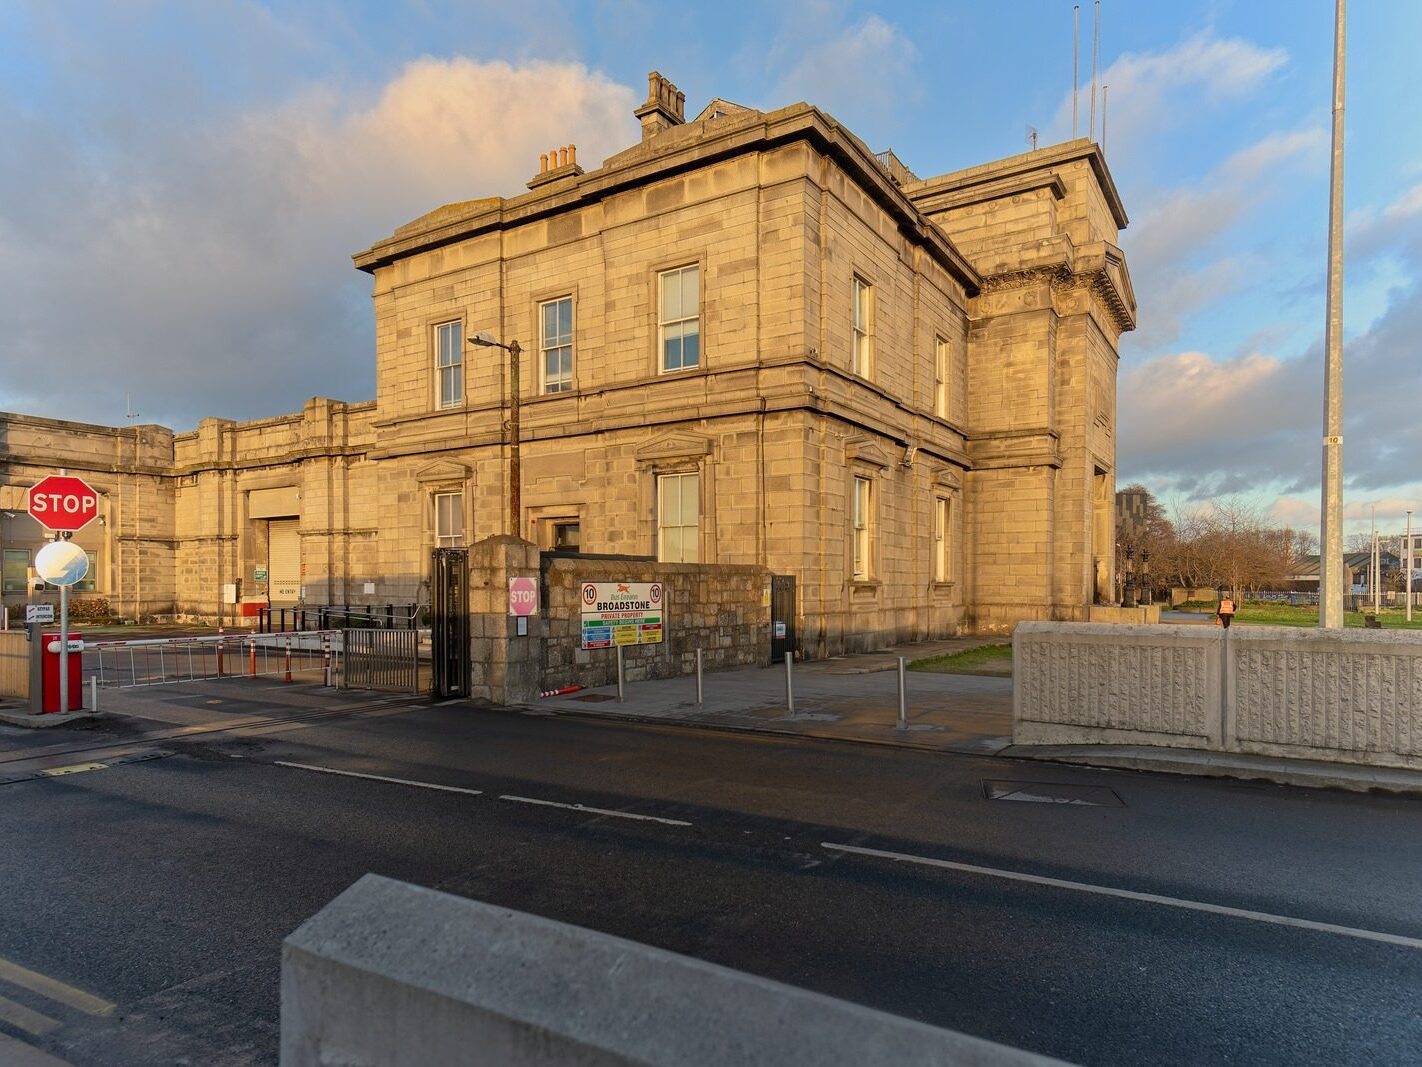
(169, 660)
(387, 660)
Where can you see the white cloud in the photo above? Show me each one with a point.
(862, 74)
(207, 271)
(1149, 89)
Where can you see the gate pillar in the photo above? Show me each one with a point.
(505, 667)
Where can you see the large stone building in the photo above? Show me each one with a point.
(747, 339)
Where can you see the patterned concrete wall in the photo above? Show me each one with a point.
(1351, 696)
(1355, 692)
(1091, 682)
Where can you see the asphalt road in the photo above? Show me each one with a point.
(165, 886)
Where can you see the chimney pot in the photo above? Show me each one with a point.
(542, 162)
(562, 157)
(573, 154)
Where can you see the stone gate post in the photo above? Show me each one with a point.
(504, 667)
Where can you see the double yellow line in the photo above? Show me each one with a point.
(37, 1023)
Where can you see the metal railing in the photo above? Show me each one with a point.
(387, 660)
(314, 655)
(333, 617)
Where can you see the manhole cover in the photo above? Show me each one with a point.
(1095, 796)
(595, 698)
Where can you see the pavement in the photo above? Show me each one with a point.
(848, 698)
(1103, 917)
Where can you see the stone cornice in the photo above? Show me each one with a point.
(1101, 268)
(724, 139)
(1002, 172)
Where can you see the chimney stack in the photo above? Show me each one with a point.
(665, 107)
(556, 163)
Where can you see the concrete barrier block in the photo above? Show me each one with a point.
(396, 975)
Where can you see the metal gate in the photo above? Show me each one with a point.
(782, 616)
(388, 660)
(449, 621)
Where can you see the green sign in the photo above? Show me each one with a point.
(259, 574)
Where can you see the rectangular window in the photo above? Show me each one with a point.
(449, 364)
(679, 518)
(862, 358)
(17, 568)
(941, 356)
(556, 344)
(679, 318)
(942, 515)
(449, 520)
(90, 581)
(862, 527)
(567, 536)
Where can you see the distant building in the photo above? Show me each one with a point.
(747, 339)
(1132, 510)
(1357, 567)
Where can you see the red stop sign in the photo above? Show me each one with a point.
(60, 502)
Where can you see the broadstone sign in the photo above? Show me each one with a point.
(621, 613)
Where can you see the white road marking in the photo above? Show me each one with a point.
(54, 989)
(595, 811)
(26, 1019)
(1128, 894)
(382, 778)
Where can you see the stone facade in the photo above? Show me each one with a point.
(903, 393)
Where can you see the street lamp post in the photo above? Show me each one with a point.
(486, 340)
(1330, 566)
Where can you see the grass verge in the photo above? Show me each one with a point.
(994, 660)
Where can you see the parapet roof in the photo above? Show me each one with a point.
(722, 131)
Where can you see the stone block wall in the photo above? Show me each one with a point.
(724, 610)
(1351, 696)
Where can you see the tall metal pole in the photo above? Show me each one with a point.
(1075, 65)
(64, 649)
(1095, 56)
(1409, 566)
(1372, 561)
(1330, 615)
(515, 468)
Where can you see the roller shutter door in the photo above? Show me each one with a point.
(284, 561)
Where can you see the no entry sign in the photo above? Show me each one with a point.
(60, 502)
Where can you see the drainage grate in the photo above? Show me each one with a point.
(595, 698)
(1095, 796)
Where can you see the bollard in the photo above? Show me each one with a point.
(619, 675)
(252, 659)
(288, 660)
(326, 649)
(93, 692)
(219, 651)
(699, 694)
(903, 702)
(789, 685)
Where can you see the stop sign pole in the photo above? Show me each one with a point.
(65, 505)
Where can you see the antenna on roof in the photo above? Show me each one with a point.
(128, 406)
(1032, 137)
(1105, 92)
(1075, 51)
(1095, 58)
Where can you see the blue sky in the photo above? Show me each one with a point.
(182, 184)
